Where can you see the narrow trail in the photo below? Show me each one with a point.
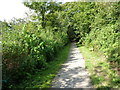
(72, 73)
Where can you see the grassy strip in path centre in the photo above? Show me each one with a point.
(42, 79)
(100, 73)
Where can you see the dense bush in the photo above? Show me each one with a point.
(28, 49)
(104, 32)
(96, 25)
(104, 40)
(29, 45)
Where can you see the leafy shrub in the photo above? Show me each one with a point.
(29, 50)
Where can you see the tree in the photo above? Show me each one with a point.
(42, 9)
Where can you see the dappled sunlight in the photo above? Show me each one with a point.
(72, 73)
(36, 47)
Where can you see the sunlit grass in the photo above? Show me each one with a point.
(100, 73)
(43, 78)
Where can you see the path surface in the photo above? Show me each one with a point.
(72, 73)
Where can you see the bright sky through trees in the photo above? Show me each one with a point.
(15, 8)
(12, 8)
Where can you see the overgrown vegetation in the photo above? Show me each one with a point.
(43, 78)
(27, 51)
(101, 74)
(96, 26)
(30, 45)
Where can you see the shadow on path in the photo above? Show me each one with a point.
(72, 73)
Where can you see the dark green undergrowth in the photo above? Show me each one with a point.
(27, 49)
(96, 26)
(43, 78)
(101, 74)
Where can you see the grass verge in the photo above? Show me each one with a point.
(43, 78)
(102, 76)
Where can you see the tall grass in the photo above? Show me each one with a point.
(101, 74)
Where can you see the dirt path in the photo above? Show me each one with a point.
(72, 73)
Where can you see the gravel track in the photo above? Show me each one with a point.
(72, 73)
